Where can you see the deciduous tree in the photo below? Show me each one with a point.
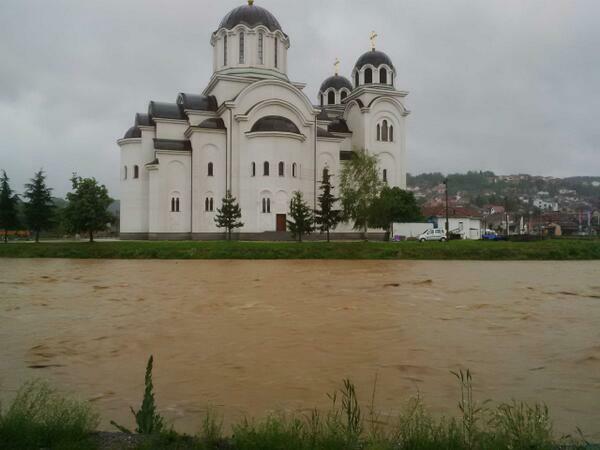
(87, 211)
(393, 205)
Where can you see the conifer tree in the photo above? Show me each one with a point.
(326, 216)
(302, 218)
(87, 211)
(8, 206)
(229, 215)
(39, 208)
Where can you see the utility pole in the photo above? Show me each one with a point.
(447, 224)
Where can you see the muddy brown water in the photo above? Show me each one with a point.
(254, 337)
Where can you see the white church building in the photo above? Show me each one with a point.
(254, 132)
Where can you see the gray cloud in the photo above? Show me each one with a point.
(504, 85)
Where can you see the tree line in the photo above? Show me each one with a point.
(365, 200)
(85, 213)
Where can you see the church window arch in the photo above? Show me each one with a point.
(331, 98)
(276, 52)
(175, 204)
(261, 46)
(294, 170)
(253, 169)
(266, 205)
(384, 131)
(368, 76)
(266, 168)
(383, 75)
(242, 49)
(281, 169)
(322, 99)
(136, 171)
(124, 172)
(391, 133)
(324, 173)
(209, 204)
(225, 50)
(343, 95)
(378, 132)
(356, 79)
(384, 176)
(210, 169)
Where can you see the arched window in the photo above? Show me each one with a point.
(261, 58)
(281, 169)
(384, 131)
(211, 204)
(325, 172)
(294, 170)
(124, 172)
(343, 95)
(276, 53)
(253, 169)
(242, 53)
(225, 50)
(210, 169)
(177, 204)
(136, 172)
(368, 76)
(331, 98)
(266, 168)
(208, 204)
(383, 75)
(172, 204)
(321, 98)
(266, 205)
(385, 175)
(356, 79)
(391, 133)
(378, 132)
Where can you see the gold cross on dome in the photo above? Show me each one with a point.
(250, 2)
(336, 64)
(372, 38)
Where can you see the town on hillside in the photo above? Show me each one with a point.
(510, 204)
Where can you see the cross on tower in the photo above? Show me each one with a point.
(336, 65)
(372, 38)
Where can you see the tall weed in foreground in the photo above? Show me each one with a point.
(40, 417)
(147, 418)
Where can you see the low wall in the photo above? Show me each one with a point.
(266, 236)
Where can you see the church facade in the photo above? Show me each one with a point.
(255, 133)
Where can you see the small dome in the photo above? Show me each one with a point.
(375, 58)
(132, 133)
(275, 123)
(337, 82)
(251, 16)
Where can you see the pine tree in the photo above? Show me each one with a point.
(302, 218)
(39, 208)
(326, 217)
(229, 214)
(8, 206)
(87, 211)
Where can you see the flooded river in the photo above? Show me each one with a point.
(253, 337)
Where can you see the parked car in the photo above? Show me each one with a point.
(436, 234)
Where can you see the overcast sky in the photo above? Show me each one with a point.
(507, 85)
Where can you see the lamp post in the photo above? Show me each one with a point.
(447, 225)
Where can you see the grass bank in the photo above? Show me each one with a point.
(551, 249)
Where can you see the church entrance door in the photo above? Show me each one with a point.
(281, 223)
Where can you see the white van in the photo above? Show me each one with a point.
(436, 234)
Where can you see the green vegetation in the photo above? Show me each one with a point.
(39, 208)
(229, 215)
(301, 217)
(550, 249)
(39, 417)
(327, 217)
(8, 206)
(393, 205)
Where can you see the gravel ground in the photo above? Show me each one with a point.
(117, 441)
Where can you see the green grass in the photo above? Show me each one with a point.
(39, 417)
(550, 249)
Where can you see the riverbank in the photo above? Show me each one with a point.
(550, 249)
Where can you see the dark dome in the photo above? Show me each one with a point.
(133, 132)
(375, 58)
(197, 102)
(275, 123)
(337, 82)
(251, 16)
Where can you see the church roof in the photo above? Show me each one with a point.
(172, 144)
(336, 82)
(165, 111)
(143, 120)
(338, 126)
(275, 123)
(251, 16)
(324, 133)
(197, 102)
(375, 58)
(213, 123)
(133, 132)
